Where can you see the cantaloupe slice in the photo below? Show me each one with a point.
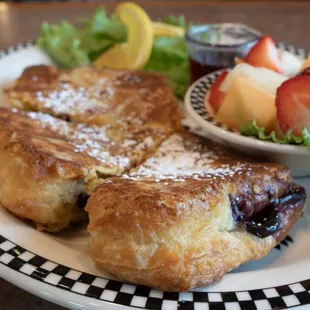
(229, 112)
(246, 101)
(306, 64)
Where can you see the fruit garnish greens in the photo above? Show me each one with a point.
(266, 95)
(251, 129)
(127, 38)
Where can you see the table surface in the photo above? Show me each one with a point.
(284, 21)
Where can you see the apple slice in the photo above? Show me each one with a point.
(264, 78)
(246, 101)
(290, 63)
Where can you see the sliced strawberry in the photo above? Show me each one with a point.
(293, 104)
(216, 96)
(304, 72)
(264, 54)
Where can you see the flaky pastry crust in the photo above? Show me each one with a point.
(48, 167)
(171, 225)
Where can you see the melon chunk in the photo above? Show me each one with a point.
(244, 101)
(265, 78)
(306, 64)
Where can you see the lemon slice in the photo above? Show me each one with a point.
(135, 53)
(166, 30)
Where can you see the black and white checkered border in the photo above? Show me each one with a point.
(41, 269)
(202, 86)
(15, 48)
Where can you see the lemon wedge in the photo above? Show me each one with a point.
(135, 53)
(166, 30)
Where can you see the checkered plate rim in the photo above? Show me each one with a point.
(65, 278)
(17, 258)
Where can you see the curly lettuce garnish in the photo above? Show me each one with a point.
(251, 129)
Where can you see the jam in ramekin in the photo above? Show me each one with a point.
(215, 46)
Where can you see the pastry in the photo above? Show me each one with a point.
(78, 127)
(93, 96)
(189, 214)
(48, 166)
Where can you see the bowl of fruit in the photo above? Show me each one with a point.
(260, 106)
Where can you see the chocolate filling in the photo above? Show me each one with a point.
(270, 219)
(82, 200)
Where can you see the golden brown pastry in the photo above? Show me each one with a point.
(93, 96)
(191, 213)
(117, 118)
(48, 167)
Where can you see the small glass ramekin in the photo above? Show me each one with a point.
(216, 46)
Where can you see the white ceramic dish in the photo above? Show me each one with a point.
(57, 267)
(297, 158)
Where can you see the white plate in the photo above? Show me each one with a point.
(57, 266)
(295, 157)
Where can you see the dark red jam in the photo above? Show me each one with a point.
(215, 46)
(266, 221)
(198, 70)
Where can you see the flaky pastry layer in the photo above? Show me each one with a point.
(171, 223)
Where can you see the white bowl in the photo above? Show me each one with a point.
(296, 158)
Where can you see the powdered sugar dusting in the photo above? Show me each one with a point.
(67, 99)
(177, 162)
(47, 121)
(94, 140)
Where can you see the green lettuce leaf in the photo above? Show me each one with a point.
(175, 20)
(251, 129)
(169, 57)
(63, 43)
(100, 33)
(70, 47)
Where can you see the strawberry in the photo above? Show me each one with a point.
(216, 96)
(293, 104)
(265, 54)
(304, 72)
